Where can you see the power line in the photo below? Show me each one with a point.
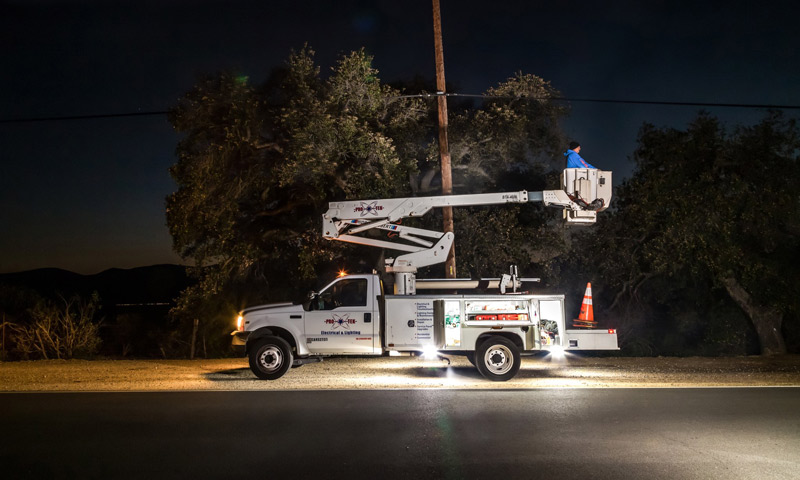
(83, 117)
(600, 100)
(434, 95)
(684, 104)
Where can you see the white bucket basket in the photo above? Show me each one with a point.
(587, 185)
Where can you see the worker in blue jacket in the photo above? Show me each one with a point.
(574, 160)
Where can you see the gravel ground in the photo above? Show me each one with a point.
(396, 373)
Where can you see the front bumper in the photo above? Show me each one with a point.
(239, 342)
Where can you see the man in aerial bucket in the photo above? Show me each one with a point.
(574, 159)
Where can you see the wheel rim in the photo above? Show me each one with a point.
(270, 359)
(498, 359)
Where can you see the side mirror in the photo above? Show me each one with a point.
(308, 304)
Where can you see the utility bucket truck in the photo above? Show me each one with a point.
(353, 315)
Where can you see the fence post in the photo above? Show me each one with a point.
(194, 336)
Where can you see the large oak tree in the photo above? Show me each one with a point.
(258, 164)
(714, 211)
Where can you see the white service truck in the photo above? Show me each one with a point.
(354, 316)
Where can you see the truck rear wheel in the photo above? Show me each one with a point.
(270, 358)
(497, 358)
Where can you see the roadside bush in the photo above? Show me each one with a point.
(59, 330)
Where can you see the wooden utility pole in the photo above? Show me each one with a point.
(444, 151)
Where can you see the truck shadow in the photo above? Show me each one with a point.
(472, 373)
(442, 372)
(233, 374)
(453, 372)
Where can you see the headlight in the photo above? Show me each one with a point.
(240, 323)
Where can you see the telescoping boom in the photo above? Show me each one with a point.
(584, 193)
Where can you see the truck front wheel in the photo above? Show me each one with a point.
(497, 358)
(270, 358)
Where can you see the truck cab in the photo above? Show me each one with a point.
(341, 319)
(344, 317)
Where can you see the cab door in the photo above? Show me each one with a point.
(341, 318)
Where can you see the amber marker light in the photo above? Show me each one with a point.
(342, 273)
(240, 323)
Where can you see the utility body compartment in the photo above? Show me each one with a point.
(455, 323)
(591, 340)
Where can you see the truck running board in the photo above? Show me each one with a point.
(302, 361)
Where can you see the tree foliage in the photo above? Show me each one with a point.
(696, 255)
(708, 224)
(511, 142)
(258, 164)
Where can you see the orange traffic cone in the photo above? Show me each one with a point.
(586, 317)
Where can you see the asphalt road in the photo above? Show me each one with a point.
(734, 433)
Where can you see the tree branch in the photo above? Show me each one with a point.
(288, 207)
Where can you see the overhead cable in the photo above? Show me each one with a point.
(439, 94)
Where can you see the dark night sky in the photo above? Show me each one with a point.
(87, 195)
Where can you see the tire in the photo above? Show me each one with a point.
(270, 358)
(497, 358)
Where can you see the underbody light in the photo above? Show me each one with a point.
(429, 351)
(557, 351)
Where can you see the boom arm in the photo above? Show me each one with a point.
(586, 191)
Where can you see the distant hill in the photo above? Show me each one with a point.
(154, 284)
